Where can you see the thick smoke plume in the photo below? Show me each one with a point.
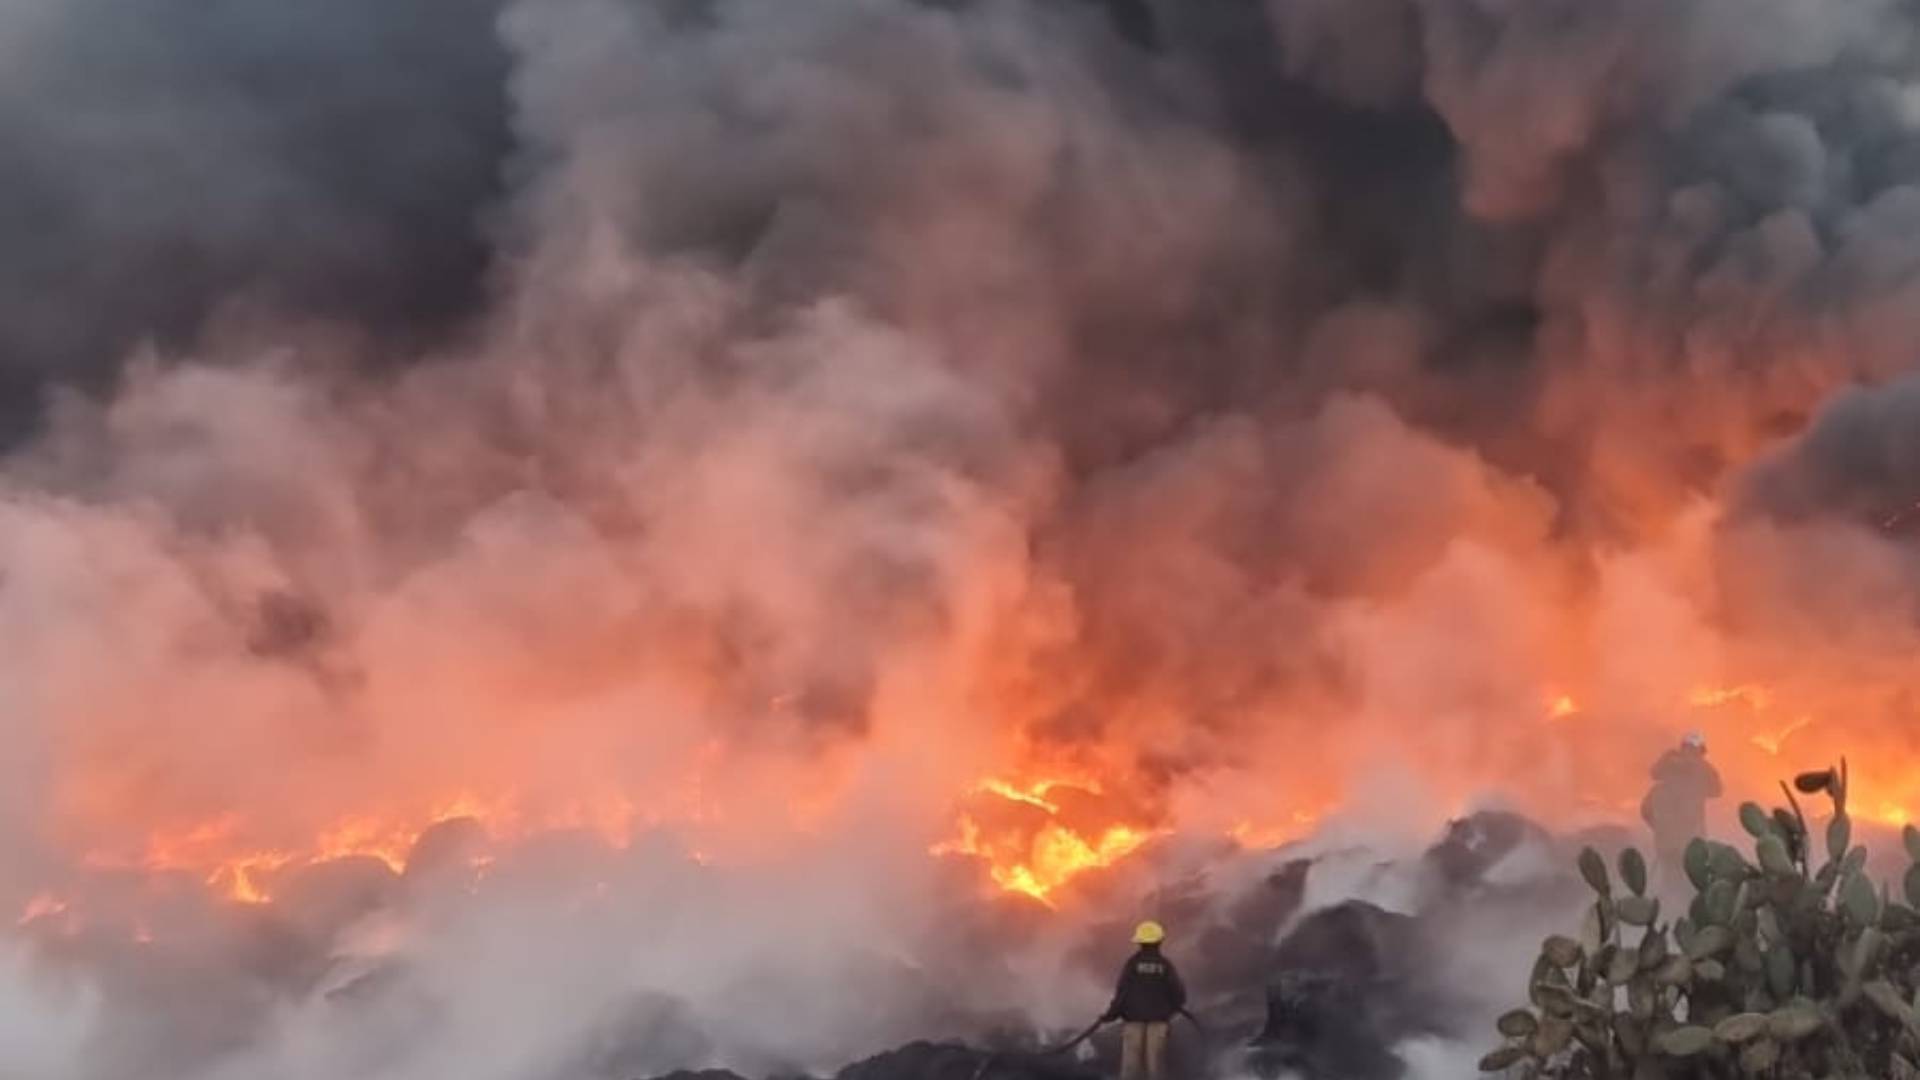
(683, 447)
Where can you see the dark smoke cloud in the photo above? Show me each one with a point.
(164, 160)
(1859, 462)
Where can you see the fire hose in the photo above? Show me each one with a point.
(1085, 1034)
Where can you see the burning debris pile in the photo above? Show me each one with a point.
(597, 524)
(1293, 982)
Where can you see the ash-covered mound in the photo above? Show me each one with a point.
(934, 1061)
(1314, 962)
(1346, 987)
(1346, 982)
(949, 1061)
(1323, 960)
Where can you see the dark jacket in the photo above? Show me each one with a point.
(1150, 990)
(1676, 806)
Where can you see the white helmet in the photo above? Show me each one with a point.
(1693, 740)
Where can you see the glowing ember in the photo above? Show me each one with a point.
(1032, 836)
(1059, 854)
(382, 840)
(1758, 698)
(1771, 741)
(1255, 837)
(1032, 844)
(1034, 796)
(244, 879)
(214, 852)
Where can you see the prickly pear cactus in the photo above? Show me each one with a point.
(1790, 964)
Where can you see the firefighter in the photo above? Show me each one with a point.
(1147, 999)
(1676, 807)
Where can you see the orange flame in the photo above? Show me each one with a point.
(1253, 836)
(213, 852)
(1758, 698)
(1041, 847)
(1035, 828)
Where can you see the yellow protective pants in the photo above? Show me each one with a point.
(1143, 1051)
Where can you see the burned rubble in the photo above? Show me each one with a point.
(1322, 994)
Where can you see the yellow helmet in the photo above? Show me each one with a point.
(1149, 933)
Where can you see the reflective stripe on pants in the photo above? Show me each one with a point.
(1143, 1051)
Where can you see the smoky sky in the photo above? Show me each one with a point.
(166, 163)
(1498, 174)
(1305, 292)
(159, 160)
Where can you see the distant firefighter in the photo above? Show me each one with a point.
(1676, 808)
(1149, 996)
